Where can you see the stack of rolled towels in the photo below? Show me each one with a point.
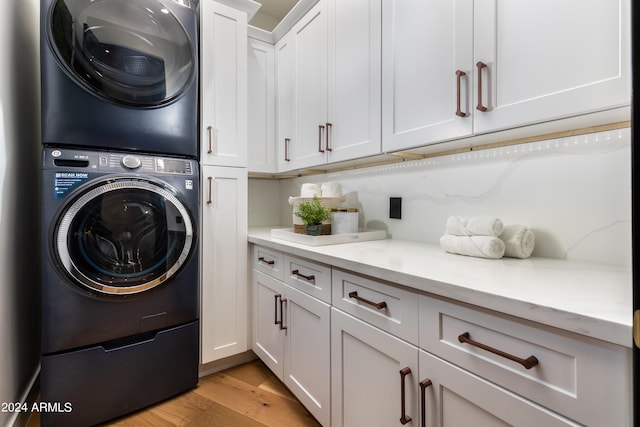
(486, 237)
(328, 189)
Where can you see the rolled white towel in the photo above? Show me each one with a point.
(518, 241)
(310, 190)
(477, 246)
(474, 226)
(331, 189)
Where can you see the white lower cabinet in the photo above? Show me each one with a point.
(291, 335)
(394, 356)
(373, 375)
(223, 313)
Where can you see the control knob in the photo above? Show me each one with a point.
(131, 162)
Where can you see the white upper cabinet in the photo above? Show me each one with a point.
(223, 133)
(309, 39)
(458, 68)
(328, 73)
(284, 101)
(261, 106)
(355, 35)
(547, 59)
(424, 44)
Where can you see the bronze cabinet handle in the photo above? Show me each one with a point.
(320, 131)
(403, 416)
(480, 65)
(210, 131)
(459, 75)
(378, 305)
(286, 149)
(210, 200)
(275, 309)
(310, 278)
(423, 402)
(270, 262)
(282, 301)
(327, 146)
(528, 363)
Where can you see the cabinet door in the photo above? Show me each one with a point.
(285, 90)
(547, 59)
(458, 398)
(424, 44)
(224, 262)
(223, 136)
(307, 352)
(261, 107)
(354, 103)
(310, 91)
(365, 375)
(268, 336)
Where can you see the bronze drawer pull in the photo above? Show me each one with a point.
(403, 416)
(261, 259)
(423, 402)
(327, 146)
(378, 305)
(528, 363)
(310, 278)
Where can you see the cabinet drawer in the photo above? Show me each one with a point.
(308, 276)
(455, 397)
(570, 372)
(269, 262)
(390, 308)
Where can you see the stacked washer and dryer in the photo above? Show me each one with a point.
(120, 206)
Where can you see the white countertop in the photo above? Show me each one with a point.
(589, 299)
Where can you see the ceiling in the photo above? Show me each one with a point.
(271, 13)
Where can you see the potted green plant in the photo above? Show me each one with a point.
(312, 213)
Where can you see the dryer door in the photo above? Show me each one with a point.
(124, 235)
(134, 52)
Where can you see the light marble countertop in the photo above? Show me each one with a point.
(590, 299)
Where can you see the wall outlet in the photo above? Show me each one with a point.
(395, 207)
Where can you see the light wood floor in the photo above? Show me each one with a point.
(248, 395)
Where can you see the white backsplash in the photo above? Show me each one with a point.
(574, 193)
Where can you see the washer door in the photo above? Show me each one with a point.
(124, 236)
(134, 52)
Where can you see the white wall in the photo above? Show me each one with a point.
(574, 193)
(19, 196)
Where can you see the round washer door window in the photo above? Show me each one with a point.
(124, 236)
(132, 52)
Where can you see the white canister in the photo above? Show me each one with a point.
(344, 221)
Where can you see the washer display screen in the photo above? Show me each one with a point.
(133, 52)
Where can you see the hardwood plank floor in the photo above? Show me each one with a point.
(247, 395)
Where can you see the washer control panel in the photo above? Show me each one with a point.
(81, 160)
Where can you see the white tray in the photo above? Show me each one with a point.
(333, 239)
